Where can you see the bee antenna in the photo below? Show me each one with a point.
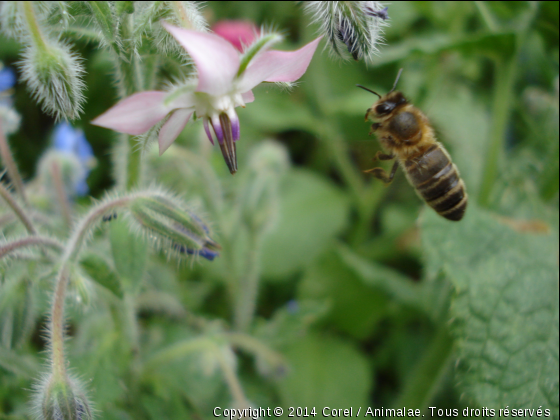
(369, 90)
(397, 80)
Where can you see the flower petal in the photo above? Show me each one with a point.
(237, 32)
(172, 128)
(207, 129)
(135, 114)
(248, 96)
(216, 60)
(234, 119)
(277, 66)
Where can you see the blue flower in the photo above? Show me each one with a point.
(204, 252)
(7, 79)
(70, 140)
(292, 306)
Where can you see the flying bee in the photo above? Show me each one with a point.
(406, 135)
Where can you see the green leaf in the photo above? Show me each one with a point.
(355, 308)
(396, 285)
(277, 111)
(505, 310)
(325, 372)
(312, 212)
(129, 254)
(24, 365)
(124, 7)
(492, 45)
(100, 271)
(290, 322)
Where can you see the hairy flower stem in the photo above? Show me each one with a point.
(71, 252)
(19, 212)
(232, 381)
(57, 325)
(61, 194)
(41, 241)
(33, 25)
(248, 285)
(131, 324)
(181, 14)
(130, 78)
(11, 167)
(254, 346)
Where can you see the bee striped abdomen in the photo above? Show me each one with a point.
(437, 181)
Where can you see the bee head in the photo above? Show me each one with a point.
(387, 103)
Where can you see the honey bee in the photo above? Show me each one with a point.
(406, 134)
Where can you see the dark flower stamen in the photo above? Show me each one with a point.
(229, 149)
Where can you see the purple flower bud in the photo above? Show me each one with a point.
(63, 399)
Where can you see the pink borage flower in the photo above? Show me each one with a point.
(225, 79)
(238, 32)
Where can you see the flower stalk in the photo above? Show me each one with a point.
(16, 208)
(33, 25)
(248, 285)
(62, 198)
(51, 70)
(151, 207)
(352, 28)
(28, 241)
(11, 166)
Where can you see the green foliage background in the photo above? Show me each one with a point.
(367, 297)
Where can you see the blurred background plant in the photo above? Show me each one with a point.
(329, 289)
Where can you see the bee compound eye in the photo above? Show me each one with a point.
(383, 108)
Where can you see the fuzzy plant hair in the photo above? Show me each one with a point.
(352, 28)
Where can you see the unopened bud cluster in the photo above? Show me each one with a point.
(61, 398)
(167, 223)
(352, 27)
(52, 72)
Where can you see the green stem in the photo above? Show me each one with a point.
(134, 163)
(128, 75)
(256, 347)
(11, 166)
(248, 286)
(130, 323)
(5, 194)
(62, 198)
(176, 351)
(71, 253)
(503, 95)
(130, 82)
(57, 325)
(232, 380)
(427, 377)
(503, 98)
(33, 25)
(181, 14)
(28, 241)
(486, 16)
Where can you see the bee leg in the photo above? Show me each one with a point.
(382, 156)
(380, 173)
(374, 128)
